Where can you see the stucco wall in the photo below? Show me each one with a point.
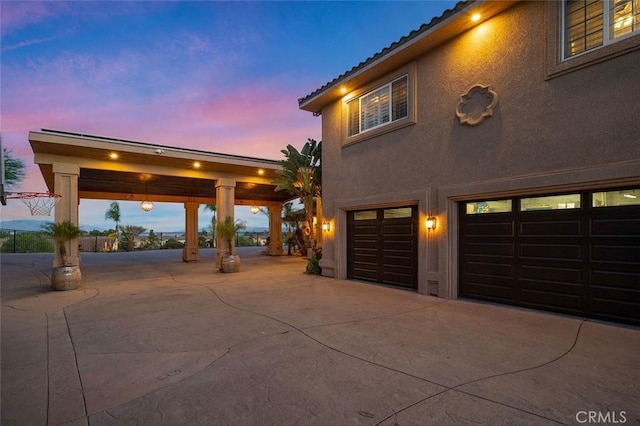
(577, 121)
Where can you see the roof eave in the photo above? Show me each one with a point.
(397, 56)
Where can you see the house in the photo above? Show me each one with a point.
(492, 154)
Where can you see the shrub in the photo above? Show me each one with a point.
(172, 243)
(28, 242)
(313, 262)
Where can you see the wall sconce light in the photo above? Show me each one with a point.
(254, 209)
(326, 226)
(432, 223)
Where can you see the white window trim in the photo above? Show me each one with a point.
(607, 40)
(410, 72)
(557, 65)
(388, 88)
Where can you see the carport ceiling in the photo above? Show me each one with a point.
(156, 172)
(93, 182)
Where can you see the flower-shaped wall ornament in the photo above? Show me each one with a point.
(476, 105)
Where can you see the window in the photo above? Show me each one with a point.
(589, 24)
(398, 213)
(492, 206)
(365, 215)
(551, 202)
(378, 107)
(626, 197)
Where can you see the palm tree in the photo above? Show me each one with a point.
(290, 219)
(212, 208)
(228, 230)
(129, 235)
(301, 176)
(65, 276)
(62, 232)
(14, 169)
(113, 213)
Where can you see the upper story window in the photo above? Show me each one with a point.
(378, 107)
(589, 24)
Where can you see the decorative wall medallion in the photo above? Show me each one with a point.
(476, 105)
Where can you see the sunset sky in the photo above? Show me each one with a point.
(217, 76)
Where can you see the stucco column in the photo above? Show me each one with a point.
(275, 230)
(65, 183)
(225, 202)
(191, 250)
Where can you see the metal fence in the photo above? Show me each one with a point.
(17, 241)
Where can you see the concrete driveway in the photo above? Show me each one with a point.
(150, 340)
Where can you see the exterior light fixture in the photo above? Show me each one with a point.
(261, 172)
(432, 223)
(146, 205)
(196, 164)
(254, 209)
(326, 226)
(113, 155)
(475, 17)
(343, 90)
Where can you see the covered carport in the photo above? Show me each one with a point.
(78, 166)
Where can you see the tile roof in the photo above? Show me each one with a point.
(461, 5)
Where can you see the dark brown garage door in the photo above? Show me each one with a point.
(572, 253)
(383, 246)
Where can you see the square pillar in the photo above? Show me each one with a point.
(225, 203)
(191, 250)
(65, 183)
(275, 230)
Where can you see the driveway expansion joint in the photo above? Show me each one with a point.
(456, 387)
(301, 330)
(75, 355)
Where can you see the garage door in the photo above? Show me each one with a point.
(383, 246)
(571, 253)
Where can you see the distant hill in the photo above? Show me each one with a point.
(24, 224)
(36, 225)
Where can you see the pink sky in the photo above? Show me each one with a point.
(215, 76)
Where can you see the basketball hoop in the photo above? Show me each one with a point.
(39, 203)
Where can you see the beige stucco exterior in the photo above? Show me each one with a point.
(554, 127)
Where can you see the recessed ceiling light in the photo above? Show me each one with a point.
(475, 17)
(260, 172)
(113, 155)
(196, 164)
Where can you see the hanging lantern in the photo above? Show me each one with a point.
(146, 205)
